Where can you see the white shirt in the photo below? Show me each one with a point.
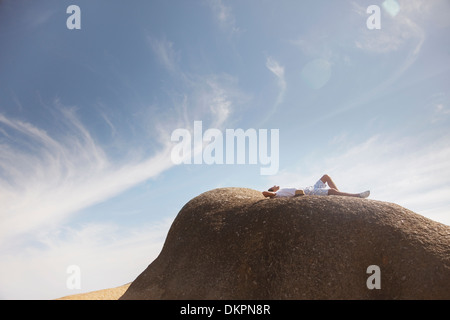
(285, 192)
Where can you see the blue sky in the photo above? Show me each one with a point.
(86, 118)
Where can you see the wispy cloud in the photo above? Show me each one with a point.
(165, 52)
(207, 97)
(47, 178)
(219, 103)
(278, 70)
(224, 16)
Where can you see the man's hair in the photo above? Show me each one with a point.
(270, 189)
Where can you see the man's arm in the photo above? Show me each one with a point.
(269, 194)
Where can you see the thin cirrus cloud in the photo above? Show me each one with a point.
(208, 97)
(165, 53)
(224, 16)
(46, 179)
(279, 71)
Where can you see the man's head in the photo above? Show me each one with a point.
(274, 189)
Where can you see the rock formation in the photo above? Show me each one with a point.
(232, 243)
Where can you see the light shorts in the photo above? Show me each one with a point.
(319, 189)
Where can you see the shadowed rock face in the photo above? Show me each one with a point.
(232, 243)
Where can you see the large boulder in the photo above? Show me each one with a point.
(232, 243)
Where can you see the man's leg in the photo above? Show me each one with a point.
(334, 192)
(327, 179)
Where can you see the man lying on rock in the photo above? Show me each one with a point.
(319, 189)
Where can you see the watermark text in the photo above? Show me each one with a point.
(236, 146)
(74, 279)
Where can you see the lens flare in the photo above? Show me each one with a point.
(316, 73)
(392, 7)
